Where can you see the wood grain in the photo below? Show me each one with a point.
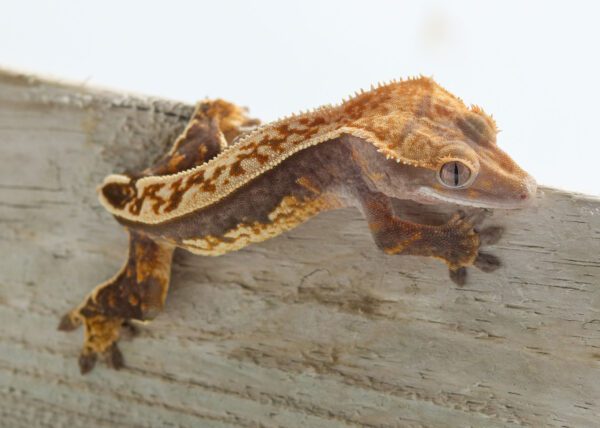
(316, 328)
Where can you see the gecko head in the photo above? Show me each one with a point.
(446, 151)
(470, 168)
(483, 176)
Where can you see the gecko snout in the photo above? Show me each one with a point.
(529, 189)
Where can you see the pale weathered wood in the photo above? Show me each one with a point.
(316, 328)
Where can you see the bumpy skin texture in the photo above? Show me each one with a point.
(222, 187)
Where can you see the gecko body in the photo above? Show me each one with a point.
(223, 186)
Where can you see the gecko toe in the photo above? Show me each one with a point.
(129, 330)
(487, 262)
(115, 358)
(491, 235)
(87, 361)
(466, 222)
(475, 218)
(459, 276)
(68, 323)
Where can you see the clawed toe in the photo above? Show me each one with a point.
(487, 262)
(87, 361)
(114, 357)
(68, 323)
(458, 276)
(129, 330)
(491, 235)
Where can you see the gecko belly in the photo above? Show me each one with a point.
(288, 214)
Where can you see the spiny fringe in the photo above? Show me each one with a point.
(321, 109)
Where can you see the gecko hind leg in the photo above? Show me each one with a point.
(137, 292)
(201, 140)
(139, 289)
(213, 126)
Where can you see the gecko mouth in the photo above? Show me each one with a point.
(522, 201)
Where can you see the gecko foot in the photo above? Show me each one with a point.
(112, 356)
(467, 225)
(101, 336)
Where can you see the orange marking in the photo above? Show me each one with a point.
(288, 214)
(308, 184)
(175, 161)
(406, 242)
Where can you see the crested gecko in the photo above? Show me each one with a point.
(228, 182)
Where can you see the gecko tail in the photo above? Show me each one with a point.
(116, 192)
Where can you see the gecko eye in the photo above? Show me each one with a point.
(454, 174)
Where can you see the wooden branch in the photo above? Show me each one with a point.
(316, 328)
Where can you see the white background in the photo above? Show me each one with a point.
(533, 64)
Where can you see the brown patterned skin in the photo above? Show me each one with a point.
(221, 188)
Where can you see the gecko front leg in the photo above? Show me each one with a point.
(456, 242)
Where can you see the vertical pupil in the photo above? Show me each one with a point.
(456, 173)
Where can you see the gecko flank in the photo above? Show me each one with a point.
(228, 183)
